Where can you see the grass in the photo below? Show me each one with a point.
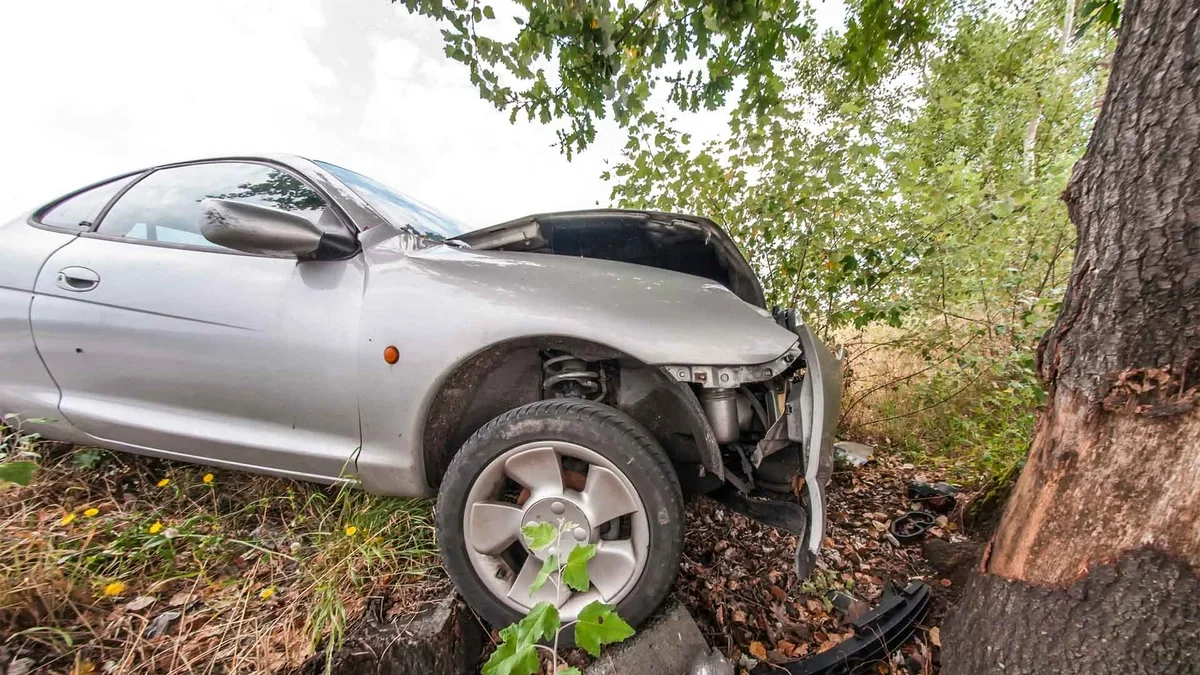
(966, 412)
(116, 563)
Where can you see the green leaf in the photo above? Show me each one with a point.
(489, 12)
(570, 671)
(540, 623)
(575, 572)
(549, 566)
(517, 653)
(512, 658)
(539, 535)
(598, 625)
(20, 473)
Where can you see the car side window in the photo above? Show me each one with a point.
(81, 210)
(165, 206)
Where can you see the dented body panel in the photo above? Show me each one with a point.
(440, 305)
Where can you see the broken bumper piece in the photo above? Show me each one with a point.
(877, 634)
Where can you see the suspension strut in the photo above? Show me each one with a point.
(568, 376)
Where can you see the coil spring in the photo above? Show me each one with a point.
(567, 376)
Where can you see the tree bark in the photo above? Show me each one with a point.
(1095, 567)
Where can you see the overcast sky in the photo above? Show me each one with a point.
(94, 88)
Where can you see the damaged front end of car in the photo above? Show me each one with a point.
(775, 425)
(757, 436)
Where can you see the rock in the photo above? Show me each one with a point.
(443, 640)
(854, 454)
(666, 644)
(953, 561)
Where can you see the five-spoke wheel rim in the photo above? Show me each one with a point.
(551, 481)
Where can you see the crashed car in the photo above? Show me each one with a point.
(291, 317)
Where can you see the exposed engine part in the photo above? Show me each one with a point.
(568, 376)
(721, 377)
(744, 414)
(751, 400)
(722, 409)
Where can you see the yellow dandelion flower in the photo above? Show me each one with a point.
(208, 478)
(92, 512)
(164, 482)
(66, 520)
(114, 589)
(351, 530)
(267, 593)
(154, 529)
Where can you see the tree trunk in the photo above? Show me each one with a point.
(1095, 567)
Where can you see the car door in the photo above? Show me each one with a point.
(28, 397)
(164, 343)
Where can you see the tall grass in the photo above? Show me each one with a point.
(965, 409)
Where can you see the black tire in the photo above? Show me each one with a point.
(602, 429)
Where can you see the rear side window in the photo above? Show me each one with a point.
(165, 206)
(81, 210)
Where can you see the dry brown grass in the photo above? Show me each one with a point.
(964, 407)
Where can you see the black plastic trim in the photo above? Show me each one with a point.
(878, 633)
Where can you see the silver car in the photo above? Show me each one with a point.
(287, 316)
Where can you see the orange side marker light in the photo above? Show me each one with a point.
(391, 355)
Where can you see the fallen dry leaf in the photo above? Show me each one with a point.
(140, 602)
(758, 650)
(935, 636)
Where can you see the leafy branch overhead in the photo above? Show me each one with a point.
(589, 59)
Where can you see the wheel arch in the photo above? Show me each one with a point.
(508, 374)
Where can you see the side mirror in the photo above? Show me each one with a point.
(251, 228)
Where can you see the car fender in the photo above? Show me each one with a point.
(438, 305)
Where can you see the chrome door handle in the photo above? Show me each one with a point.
(77, 279)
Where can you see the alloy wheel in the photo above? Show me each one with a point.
(555, 481)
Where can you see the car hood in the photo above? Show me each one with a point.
(486, 297)
(669, 241)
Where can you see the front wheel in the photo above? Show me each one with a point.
(564, 460)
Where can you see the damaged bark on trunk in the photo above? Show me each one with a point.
(1095, 565)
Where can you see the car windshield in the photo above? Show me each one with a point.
(399, 209)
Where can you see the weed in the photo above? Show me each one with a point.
(598, 623)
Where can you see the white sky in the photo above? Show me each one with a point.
(95, 88)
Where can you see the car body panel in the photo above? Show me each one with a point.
(439, 305)
(819, 405)
(25, 385)
(205, 355)
(671, 241)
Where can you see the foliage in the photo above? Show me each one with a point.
(17, 452)
(924, 207)
(1104, 14)
(17, 473)
(611, 58)
(598, 623)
